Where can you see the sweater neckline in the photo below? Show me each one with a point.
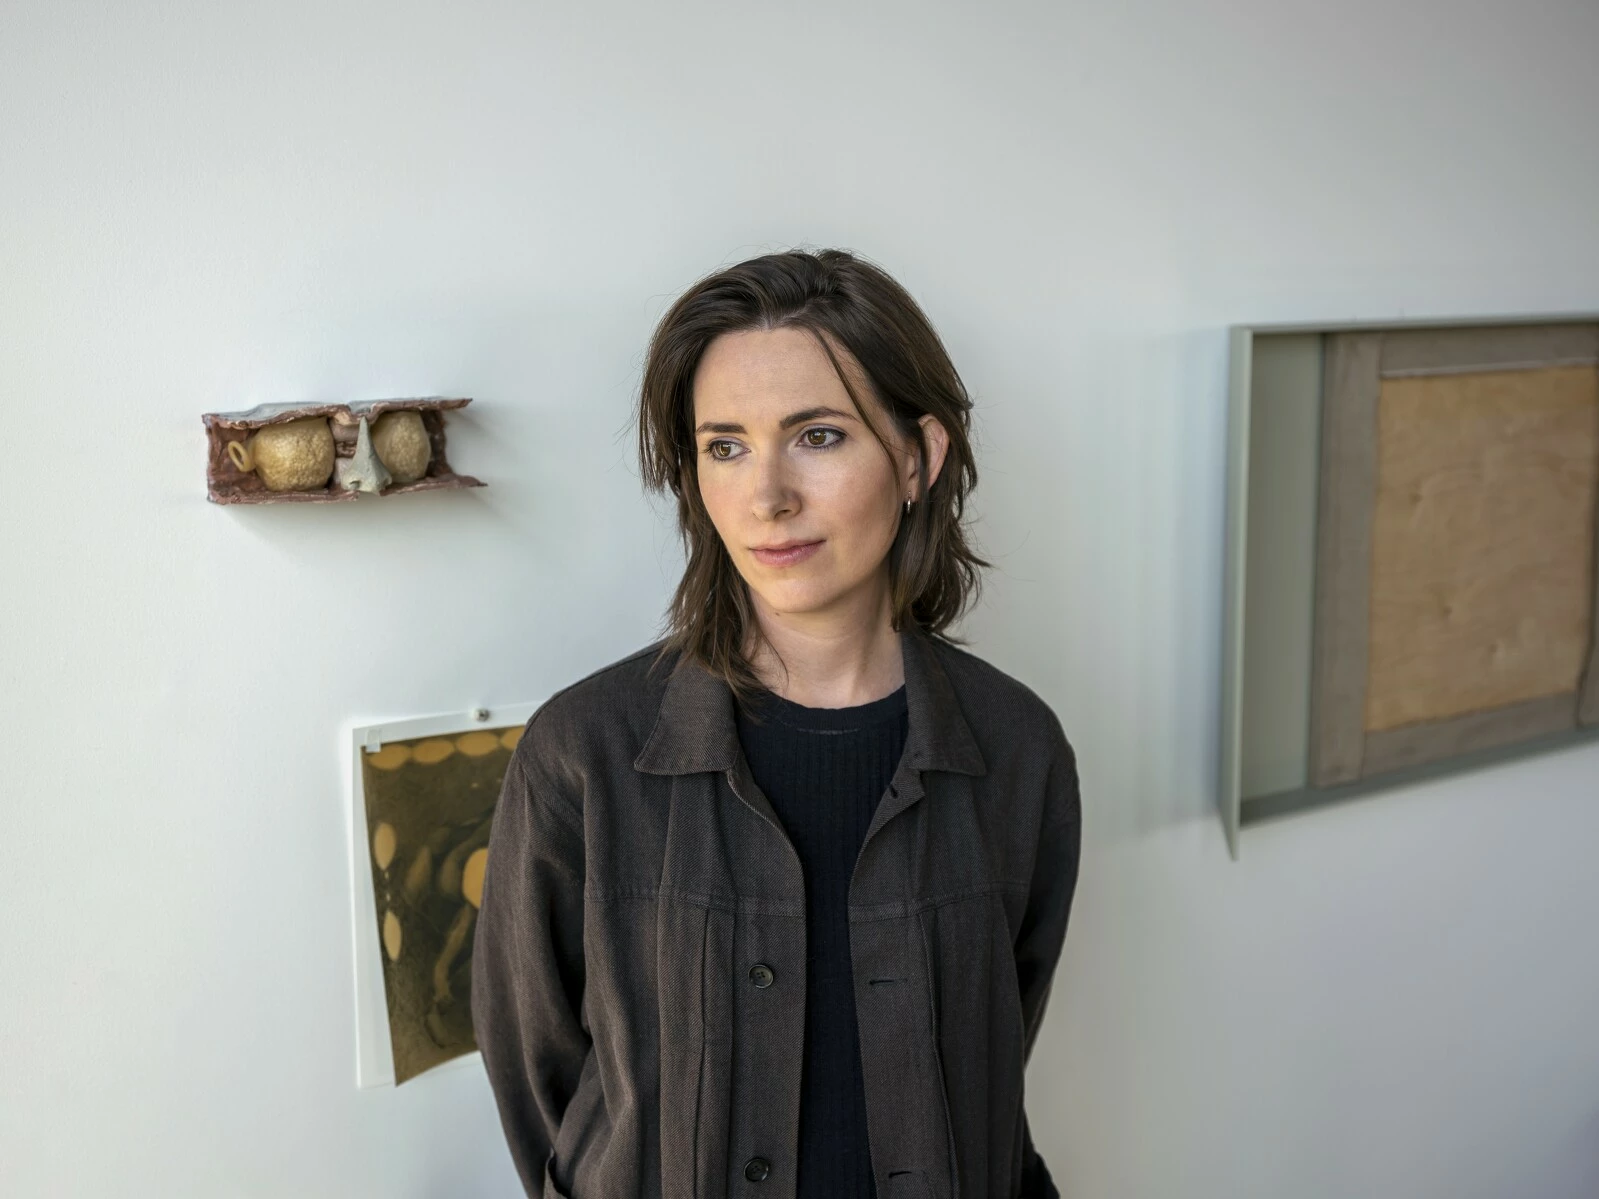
(833, 720)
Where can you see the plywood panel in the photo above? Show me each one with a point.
(1482, 570)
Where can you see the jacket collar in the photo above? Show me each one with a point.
(696, 729)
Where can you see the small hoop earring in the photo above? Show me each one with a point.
(907, 507)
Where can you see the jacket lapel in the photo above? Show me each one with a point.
(695, 730)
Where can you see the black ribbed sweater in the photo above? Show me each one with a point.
(824, 770)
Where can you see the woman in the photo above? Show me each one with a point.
(774, 904)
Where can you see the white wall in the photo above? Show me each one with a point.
(203, 206)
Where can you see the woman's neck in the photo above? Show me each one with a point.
(830, 664)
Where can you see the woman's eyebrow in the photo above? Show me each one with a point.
(788, 422)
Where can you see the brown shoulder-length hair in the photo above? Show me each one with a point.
(847, 303)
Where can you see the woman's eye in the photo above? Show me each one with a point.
(815, 439)
(823, 445)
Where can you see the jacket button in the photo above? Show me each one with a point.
(761, 975)
(757, 1168)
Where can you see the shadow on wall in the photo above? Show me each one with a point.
(1106, 533)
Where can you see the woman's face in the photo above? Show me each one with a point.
(785, 461)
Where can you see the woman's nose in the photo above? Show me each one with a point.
(774, 490)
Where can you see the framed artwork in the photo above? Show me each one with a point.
(1413, 555)
(423, 794)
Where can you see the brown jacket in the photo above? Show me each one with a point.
(637, 876)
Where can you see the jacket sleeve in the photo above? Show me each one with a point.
(1043, 928)
(527, 958)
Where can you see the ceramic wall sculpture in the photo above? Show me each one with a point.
(325, 452)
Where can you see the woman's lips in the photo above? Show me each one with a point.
(786, 557)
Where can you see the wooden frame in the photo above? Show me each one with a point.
(1341, 749)
(1298, 586)
(1348, 484)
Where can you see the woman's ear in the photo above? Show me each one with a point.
(936, 438)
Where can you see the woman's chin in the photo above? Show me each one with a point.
(810, 597)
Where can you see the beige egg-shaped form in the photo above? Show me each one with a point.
(477, 744)
(402, 443)
(472, 877)
(391, 757)
(391, 935)
(296, 455)
(432, 751)
(384, 842)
